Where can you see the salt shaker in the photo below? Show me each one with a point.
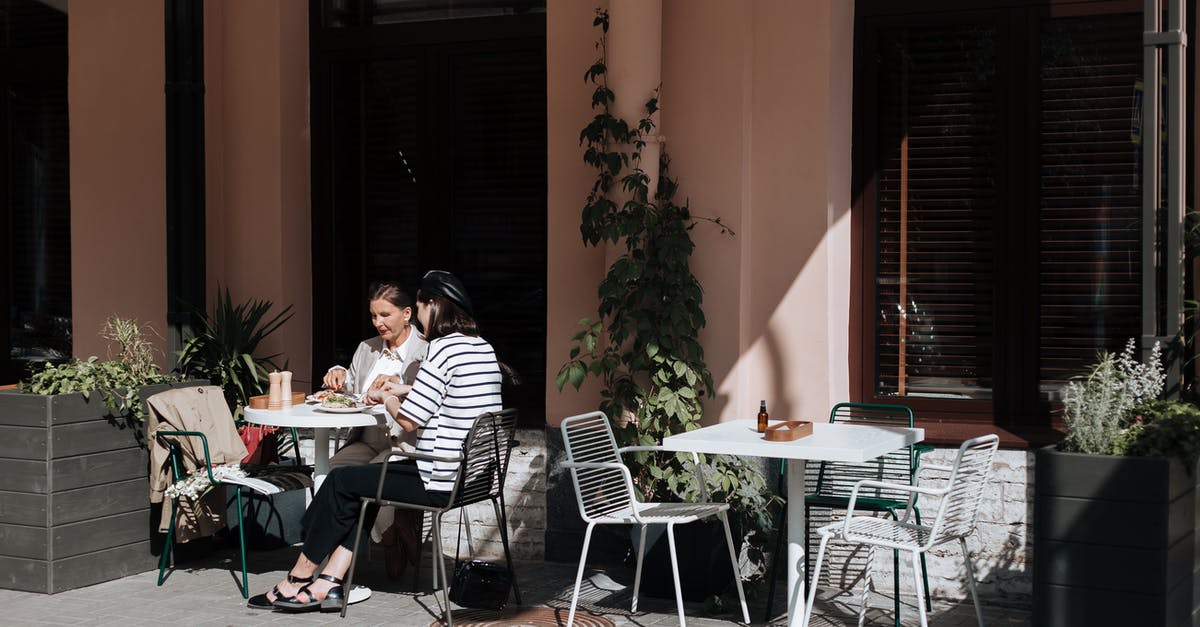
(275, 396)
(286, 390)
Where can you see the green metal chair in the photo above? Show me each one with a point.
(267, 484)
(828, 485)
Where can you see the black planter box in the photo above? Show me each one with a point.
(74, 492)
(1114, 541)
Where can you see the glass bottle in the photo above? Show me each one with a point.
(762, 416)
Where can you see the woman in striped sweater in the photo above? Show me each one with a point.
(458, 380)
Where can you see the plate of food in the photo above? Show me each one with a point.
(338, 403)
(320, 395)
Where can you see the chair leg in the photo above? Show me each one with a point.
(166, 551)
(675, 573)
(437, 557)
(916, 569)
(816, 576)
(868, 583)
(971, 580)
(637, 573)
(502, 520)
(242, 544)
(924, 570)
(733, 562)
(587, 540)
(362, 512)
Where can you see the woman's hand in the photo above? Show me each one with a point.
(383, 379)
(387, 390)
(334, 379)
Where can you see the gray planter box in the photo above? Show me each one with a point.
(1114, 541)
(74, 492)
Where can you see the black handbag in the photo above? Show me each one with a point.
(479, 584)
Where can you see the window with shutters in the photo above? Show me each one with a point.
(997, 183)
(429, 151)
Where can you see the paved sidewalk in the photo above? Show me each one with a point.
(204, 592)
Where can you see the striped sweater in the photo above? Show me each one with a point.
(458, 381)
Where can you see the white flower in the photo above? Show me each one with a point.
(198, 484)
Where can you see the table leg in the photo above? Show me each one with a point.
(796, 541)
(320, 456)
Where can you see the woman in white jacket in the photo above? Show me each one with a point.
(393, 355)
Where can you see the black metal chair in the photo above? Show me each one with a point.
(483, 465)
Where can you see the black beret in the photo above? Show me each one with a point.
(442, 283)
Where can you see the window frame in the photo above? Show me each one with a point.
(1015, 410)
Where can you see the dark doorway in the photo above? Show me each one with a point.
(429, 151)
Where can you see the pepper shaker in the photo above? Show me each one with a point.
(285, 395)
(275, 396)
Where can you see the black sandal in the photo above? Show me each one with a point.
(261, 602)
(331, 603)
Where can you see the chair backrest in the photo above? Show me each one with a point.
(969, 476)
(600, 492)
(837, 479)
(486, 452)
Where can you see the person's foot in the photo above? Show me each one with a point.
(289, 587)
(325, 594)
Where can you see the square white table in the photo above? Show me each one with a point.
(831, 442)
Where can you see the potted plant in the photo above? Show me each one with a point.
(644, 347)
(1119, 490)
(73, 466)
(223, 351)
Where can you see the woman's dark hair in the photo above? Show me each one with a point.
(386, 290)
(446, 317)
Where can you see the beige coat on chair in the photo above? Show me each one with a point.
(200, 409)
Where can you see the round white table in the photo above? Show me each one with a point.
(308, 415)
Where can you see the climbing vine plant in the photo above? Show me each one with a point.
(644, 345)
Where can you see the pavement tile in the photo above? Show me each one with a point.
(204, 592)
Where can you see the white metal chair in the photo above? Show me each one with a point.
(606, 496)
(957, 503)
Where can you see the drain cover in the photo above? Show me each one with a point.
(523, 617)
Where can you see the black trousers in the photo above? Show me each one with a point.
(330, 520)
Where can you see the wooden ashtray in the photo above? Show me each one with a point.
(788, 430)
(260, 401)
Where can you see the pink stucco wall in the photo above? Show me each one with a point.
(117, 120)
(258, 242)
(756, 114)
(257, 138)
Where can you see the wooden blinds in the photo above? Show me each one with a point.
(1090, 226)
(936, 201)
(1006, 212)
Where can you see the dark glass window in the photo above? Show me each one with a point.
(997, 172)
(429, 151)
(35, 278)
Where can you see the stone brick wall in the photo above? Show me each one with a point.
(1000, 548)
(525, 500)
